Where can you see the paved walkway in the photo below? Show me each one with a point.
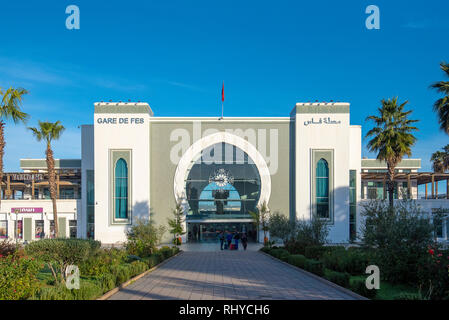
(197, 275)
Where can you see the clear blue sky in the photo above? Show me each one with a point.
(175, 54)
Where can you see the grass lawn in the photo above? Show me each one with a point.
(389, 291)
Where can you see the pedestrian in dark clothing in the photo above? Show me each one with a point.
(236, 240)
(222, 237)
(229, 239)
(244, 241)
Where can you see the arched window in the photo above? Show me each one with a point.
(322, 189)
(121, 189)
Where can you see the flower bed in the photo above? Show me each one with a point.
(38, 273)
(344, 267)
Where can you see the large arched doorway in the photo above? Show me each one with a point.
(219, 180)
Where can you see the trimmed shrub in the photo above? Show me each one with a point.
(18, 277)
(102, 262)
(166, 252)
(107, 282)
(138, 267)
(295, 247)
(297, 260)
(59, 292)
(340, 278)
(122, 273)
(59, 253)
(281, 254)
(158, 257)
(315, 267)
(87, 291)
(266, 249)
(359, 286)
(315, 252)
(351, 261)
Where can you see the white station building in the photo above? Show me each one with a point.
(137, 166)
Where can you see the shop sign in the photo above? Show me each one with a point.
(27, 210)
(27, 176)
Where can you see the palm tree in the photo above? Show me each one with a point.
(391, 137)
(49, 131)
(441, 106)
(11, 102)
(440, 160)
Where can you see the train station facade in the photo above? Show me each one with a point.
(135, 165)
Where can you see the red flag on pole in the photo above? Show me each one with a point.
(222, 93)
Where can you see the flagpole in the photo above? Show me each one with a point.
(222, 100)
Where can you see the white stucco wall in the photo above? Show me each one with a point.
(66, 209)
(120, 136)
(336, 137)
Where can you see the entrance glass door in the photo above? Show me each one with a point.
(209, 232)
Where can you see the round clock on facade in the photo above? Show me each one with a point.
(221, 177)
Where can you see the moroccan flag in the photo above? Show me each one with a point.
(222, 93)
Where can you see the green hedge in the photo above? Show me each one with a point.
(317, 252)
(88, 290)
(340, 278)
(359, 286)
(280, 253)
(351, 261)
(297, 260)
(107, 282)
(266, 249)
(314, 266)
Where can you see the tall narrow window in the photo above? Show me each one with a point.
(121, 189)
(352, 205)
(322, 189)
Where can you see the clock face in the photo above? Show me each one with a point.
(221, 177)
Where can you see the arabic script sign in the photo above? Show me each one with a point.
(27, 210)
(327, 120)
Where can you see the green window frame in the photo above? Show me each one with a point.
(352, 205)
(121, 189)
(322, 189)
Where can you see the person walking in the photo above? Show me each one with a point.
(236, 240)
(222, 238)
(229, 239)
(244, 241)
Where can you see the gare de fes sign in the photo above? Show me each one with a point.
(27, 210)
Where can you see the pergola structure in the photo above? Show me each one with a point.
(21, 181)
(421, 178)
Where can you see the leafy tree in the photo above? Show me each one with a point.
(281, 226)
(58, 254)
(175, 223)
(399, 238)
(440, 160)
(261, 219)
(49, 131)
(11, 101)
(392, 137)
(441, 106)
(143, 237)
